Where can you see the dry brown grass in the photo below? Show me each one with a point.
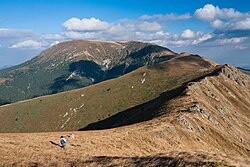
(3, 80)
(148, 143)
(208, 125)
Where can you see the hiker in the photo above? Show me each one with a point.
(63, 142)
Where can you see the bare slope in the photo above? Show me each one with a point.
(75, 64)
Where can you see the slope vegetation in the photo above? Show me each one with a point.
(207, 124)
(201, 119)
(75, 64)
(78, 108)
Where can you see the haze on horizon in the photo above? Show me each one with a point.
(219, 30)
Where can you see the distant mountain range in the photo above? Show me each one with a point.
(75, 64)
(247, 70)
(7, 66)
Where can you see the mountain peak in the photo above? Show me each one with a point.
(78, 63)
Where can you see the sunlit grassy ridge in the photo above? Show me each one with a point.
(76, 109)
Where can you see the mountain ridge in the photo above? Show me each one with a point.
(101, 100)
(74, 64)
(206, 124)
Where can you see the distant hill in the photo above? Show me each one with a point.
(244, 70)
(75, 64)
(3, 67)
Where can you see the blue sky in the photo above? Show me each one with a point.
(217, 29)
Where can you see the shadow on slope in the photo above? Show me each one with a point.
(145, 111)
(54, 143)
(158, 160)
(84, 70)
(3, 102)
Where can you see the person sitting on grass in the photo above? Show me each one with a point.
(63, 142)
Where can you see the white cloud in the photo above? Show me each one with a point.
(232, 40)
(179, 42)
(15, 33)
(52, 36)
(202, 38)
(208, 12)
(211, 12)
(240, 47)
(91, 24)
(187, 38)
(146, 17)
(223, 19)
(187, 34)
(80, 35)
(229, 13)
(217, 23)
(162, 33)
(241, 25)
(28, 44)
(54, 43)
(149, 26)
(170, 16)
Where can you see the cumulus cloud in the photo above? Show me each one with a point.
(187, 34)
(229, 27)
(92, 24)
(217, 23)
(28, 44)
(208, 12)
(227, 22)
(233, 27)
(241, 25)
(148, 29)
(211, 12)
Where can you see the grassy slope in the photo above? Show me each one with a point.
(75, 64)
(76, 109)
(105, 148)
(187, 135)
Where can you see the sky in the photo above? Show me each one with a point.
(217, 29)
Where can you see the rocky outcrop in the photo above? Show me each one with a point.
(216, 110)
